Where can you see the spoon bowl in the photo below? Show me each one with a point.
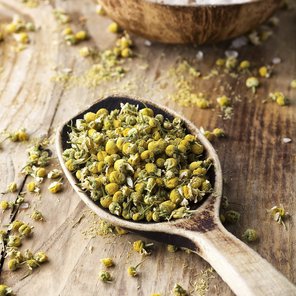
(239, 266)
(189, 21)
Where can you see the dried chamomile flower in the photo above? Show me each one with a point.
(100, 10)
(172, 248)
(81, 35)
(37, 216)
(33, 187)
(14, 241)
(278, 214)
(264, 71)
(61, 16)
(230, 63)
(293, 83)
(39, 156)
(179, 291)
(12, 187)
(155, 294)
(129, 160)
(140, 247)
(224, 101)
(40, 257)
(4, 205)
(13, 264)
(218, 132)
(107, 262)
(40, 172)
(113, 28)
(253, 83)
(232, 216)
(250, 235)
(25, 230)
(19, 136)
(55, 187)
(15, 225)
(54, 174)
(279, 98)
(132, 271)
(85, 51)
(105, 276)
(202, 103)
(32, 263)
(220, 62)
(5, 290)
(245, 64)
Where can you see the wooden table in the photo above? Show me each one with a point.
(259, 169)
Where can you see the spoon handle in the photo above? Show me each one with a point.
(244, 270)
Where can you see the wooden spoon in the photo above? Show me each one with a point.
(189, 21)
(238, 265)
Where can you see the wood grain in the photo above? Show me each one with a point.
(259, 170)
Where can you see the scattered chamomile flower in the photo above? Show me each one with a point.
(13, 264)
(250, 235)
(4, 205)
(230, 63)
(264, 71)
(220, 62)
(100, 10)
(32, 187)
(279, 214)
(12, 187)
(224, 101)
(55, 187)
(172, 248)
(15, 225)
(113, 28)
(202, 103)
(14, 241)
(40, 172)
(293, 83)
(37, 216)
(245, 64)
(155, 294)
(279, 98)
(85, 51)
(61, 16)
(253, 83)
(218, 132)
(32, 263)
(54, 174)
(132, 271)
(107, 262)
(41, 257)
(140, 247)
(22, 38)
(232, 216)
(179, 291)
(81, 36)
(105, 276)
(25, 230)
(5, 290)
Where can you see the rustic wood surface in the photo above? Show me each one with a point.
(259, 169)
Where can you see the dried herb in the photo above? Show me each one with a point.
(137, 165)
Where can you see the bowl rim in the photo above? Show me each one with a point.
(201, 3)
